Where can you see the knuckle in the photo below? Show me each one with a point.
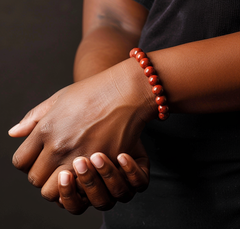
(45, 128)
(89, 184)
(17, 163)
(59, 147)
(108, 174)
(48, 195)
(105, 206)
(146, 171)
(118, 194)
(132, 172)
(34, 180)
(67, 194)
(137, 180)
(87, 181)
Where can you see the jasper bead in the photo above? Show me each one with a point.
(134, 52)
(163, 109)
(145, 62)
(163, 116)
(157, 90)
(140, 56)
(153, 80)
(148, 71)
(161, 100)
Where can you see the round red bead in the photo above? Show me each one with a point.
(134, 52)
(163, 109)
(157, 89)
(163, 116)
(160, 100)
(153, 80)
(145, 62)
(148, 71)
(140, 56)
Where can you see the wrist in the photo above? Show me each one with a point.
(153, 80)
(136, 90)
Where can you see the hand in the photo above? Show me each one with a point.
(118, 186)
(104, 113)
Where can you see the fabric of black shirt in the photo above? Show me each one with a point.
(195, 158)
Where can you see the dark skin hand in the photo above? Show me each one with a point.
(198, 77)
(100, 184)
(104, 20)
(115, 129)
(111, 35)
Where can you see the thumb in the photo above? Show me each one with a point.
(139, 154)
(27, 124)
(136, 168)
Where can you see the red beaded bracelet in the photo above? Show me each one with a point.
(153, 79)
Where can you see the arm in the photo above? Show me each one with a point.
(218, 91)
(110, 30)
(196, 76)
(202, 76)
(191, 81)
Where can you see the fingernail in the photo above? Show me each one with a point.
(97, 160)
(80, 165)
(122, 160)
(13, 129)
(64, 178)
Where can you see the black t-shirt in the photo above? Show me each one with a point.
(195, 158)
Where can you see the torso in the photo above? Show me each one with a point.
(195, 159)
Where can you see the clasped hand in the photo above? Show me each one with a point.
(103, 113)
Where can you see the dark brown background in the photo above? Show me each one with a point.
(38, 40)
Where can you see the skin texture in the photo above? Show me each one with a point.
(117, 26)
(47, 151)
(202, 76)
(110, 30)
(107, 108)
(76, 195)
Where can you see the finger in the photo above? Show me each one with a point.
(43, 168)
(31, 119)
(50, 190)
(112, 178)
(47, 161)
(92, 184)
(136, 171)
(70, 199)
(27, 153)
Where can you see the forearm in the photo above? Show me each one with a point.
(198, 77)
(203, 76)
(102, 48)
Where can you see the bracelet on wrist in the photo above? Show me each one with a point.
(153, 80)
